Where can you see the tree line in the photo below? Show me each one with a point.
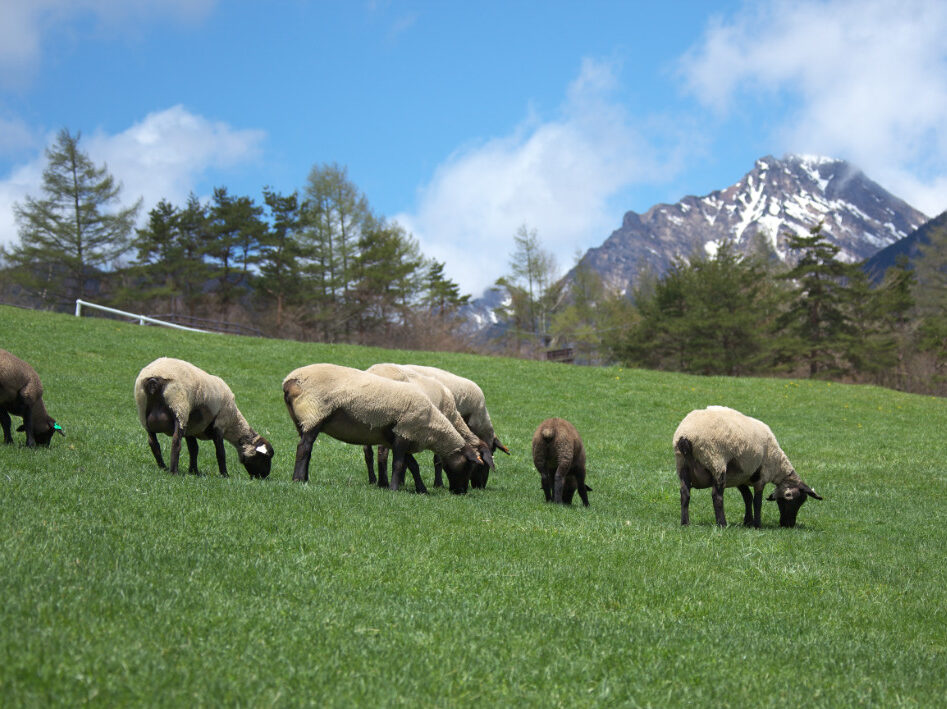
(740, 314)
(314, 264)
(320, 264)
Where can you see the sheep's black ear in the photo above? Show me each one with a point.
(810, 492)
(58, 429)
(471, 455)
(484, 450)
(497, 444)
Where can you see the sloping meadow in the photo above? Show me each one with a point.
(124, 585)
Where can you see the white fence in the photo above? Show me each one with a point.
(142, 319)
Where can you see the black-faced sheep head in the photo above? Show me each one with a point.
(790, 498)
(43, 431)
(259, 461)
(459, 466)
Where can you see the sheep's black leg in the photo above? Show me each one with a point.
(176, 447)
(583, 492)
(561, 471)
(28, 427)
(547, 486)
(220, 453)
(483, 473)
(748, 505)
(757, 507)
(397, 471)
(416, 474)
(383, 466)
(370, 463)
(5, 424)
(684, 474)
(398, 463)
(438, 467)
(303, 454)
(716, 494)
(156, 449)
(191, 454)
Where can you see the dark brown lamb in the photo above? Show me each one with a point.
(21, 394)
(559, 456)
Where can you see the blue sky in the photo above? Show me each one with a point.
(465, 120)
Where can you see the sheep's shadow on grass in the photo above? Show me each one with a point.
(764, 526)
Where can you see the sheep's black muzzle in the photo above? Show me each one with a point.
(258, 464)
(789, 509)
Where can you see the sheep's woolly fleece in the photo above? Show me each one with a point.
(557, 444)
(720, 435)
(439, 395)
(468, 397)
(377, 403)
(189, 387)
(17, 377)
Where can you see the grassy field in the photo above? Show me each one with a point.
(122, 585)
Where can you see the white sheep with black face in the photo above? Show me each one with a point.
(364, 409)
(442, 398)
(719, 447)
(472, 406)
(181, 400)
(21, 394)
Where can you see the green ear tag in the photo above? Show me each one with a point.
(57, 427)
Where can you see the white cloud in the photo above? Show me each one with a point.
(556, 176)
(866, 81)
(161, 157)
(24, 24)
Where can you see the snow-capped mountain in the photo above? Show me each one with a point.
(778, 196)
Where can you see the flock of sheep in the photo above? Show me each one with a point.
(404, 409)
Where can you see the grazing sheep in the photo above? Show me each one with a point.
(441, 397)
(559, 456)
(718, 447)
(367, 410)
(21, 394)
(180, 400)
(471, 404)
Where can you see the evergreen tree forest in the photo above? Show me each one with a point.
(316, 264)
(320, 264)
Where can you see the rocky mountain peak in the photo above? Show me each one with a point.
(791, 194)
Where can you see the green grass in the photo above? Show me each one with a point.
(121, 585)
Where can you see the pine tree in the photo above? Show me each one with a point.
(193, 233)
(334, 216)
(706, 315)
(441, 296)
(817, 322)
(280, 250)
(233, 240)
(531, 289)
(931, 294)
(159, 255)
(593, 316)
(388, 268)
(66, 233)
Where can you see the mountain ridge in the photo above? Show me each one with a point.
(778, 195)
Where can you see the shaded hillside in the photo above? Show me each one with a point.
(909, 247)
